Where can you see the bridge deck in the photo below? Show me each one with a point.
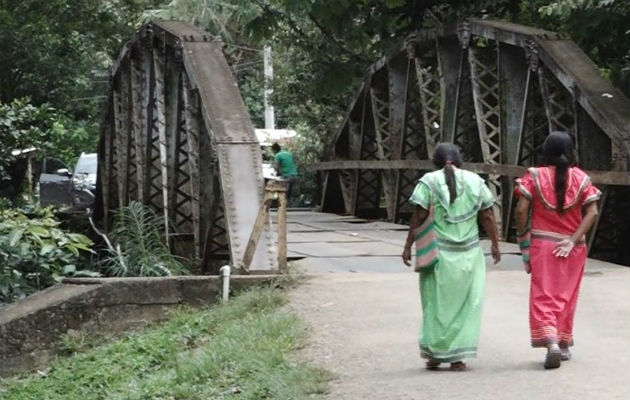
(364, 310)
(323, 242)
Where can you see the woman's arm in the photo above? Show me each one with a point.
(418, 217)
(523, 236)
(522, 214)
(490, 225)
(563, 249)
(591, 211)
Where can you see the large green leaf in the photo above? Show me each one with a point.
(69, 269)
(39, 231)
(47, 248)
(73, 249)
(83, 247)
(15, 236)
(80, 239)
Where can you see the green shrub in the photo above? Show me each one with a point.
(35, 253)
(138, 246)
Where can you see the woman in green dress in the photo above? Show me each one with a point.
(452, 291)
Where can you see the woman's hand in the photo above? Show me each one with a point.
(406, 256)
(496, 253)
(527, 267)
(563, 249)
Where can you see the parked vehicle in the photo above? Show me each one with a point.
(59, 186)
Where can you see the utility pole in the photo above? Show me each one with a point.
(268, 66)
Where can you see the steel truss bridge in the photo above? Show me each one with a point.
(176, 135)
(496, 89)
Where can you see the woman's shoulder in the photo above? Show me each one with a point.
(469, 175)
(430, 177)
(579, 173)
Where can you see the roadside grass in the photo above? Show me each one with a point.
(243, 350)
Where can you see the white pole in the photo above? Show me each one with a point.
(268, 65)
(225, 277)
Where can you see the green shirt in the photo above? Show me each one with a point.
(456, 222)
(285, 163)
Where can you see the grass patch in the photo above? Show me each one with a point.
(240, 351)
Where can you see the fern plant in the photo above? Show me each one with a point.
(138, 246)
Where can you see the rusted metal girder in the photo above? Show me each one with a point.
(496, 89)
(177, 137)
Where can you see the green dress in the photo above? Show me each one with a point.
(452, 293)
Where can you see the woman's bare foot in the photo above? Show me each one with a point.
(433, 364)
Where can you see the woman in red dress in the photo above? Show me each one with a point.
(560, 203)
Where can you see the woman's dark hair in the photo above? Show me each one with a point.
(275, 147)
(445, 156)
(558, 151)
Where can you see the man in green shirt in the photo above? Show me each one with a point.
(286, 168)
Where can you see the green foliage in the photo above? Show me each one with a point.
(35, 253)
(140, 249)
(308, 150)
(23, 125)
(599, 27)
(224, 19)
(70, 138)
(241, 350)
(58, 51)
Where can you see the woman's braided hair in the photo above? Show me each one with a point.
(558, 151)
(446, 155)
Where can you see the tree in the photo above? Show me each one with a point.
(600, 27)
(58, 51)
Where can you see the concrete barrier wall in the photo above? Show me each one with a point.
(30, 330)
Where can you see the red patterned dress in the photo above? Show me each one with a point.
(555, 281)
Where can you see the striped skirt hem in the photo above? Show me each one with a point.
(448, 356)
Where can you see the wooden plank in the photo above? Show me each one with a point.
(282, 231)
(259, 225)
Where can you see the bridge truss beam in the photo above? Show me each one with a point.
(176, 136)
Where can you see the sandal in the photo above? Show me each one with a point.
(565, 354)
(552, 360)
(458, 366)
(433, 364)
